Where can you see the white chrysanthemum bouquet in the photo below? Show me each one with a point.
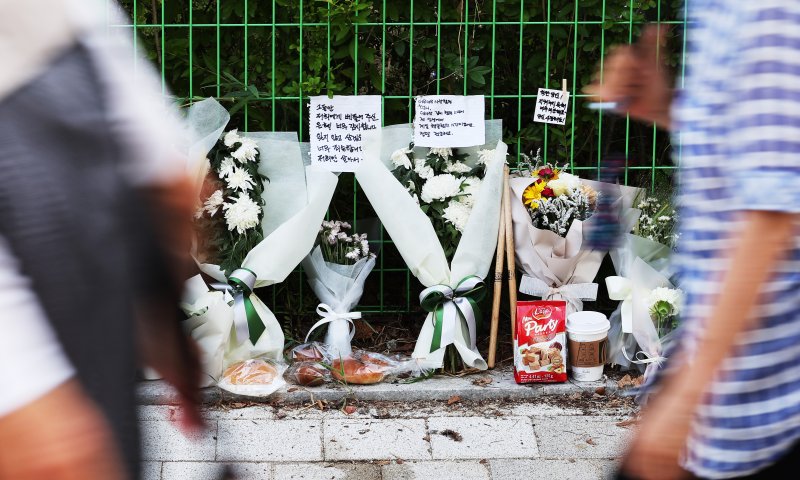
(648, 313)
(251, 233)
(229, 220)
(442, 209)
(445, 187)
(337, 269)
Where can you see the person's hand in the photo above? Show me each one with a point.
(636, 79)
(661, 439)
(60, 436)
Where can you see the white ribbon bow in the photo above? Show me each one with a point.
(647, 358)
(329, 315)
(621, 289)
(573, 293)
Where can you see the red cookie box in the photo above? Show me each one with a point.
(540, 347)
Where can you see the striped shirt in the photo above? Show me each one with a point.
(738, 119)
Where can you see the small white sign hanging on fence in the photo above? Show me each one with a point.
(551, 106)
(338, 127)
(449, 121)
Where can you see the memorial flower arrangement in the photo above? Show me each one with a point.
(444, 186)
(441, 207)
(657, 221)
(650, 305)
(665, 305)
(553, 211)
(338, 246)
(557, 198)
(337, 269)
(250, 234)
(229, 219)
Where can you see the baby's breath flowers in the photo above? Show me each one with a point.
(657, 221)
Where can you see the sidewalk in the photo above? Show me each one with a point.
(568, 431)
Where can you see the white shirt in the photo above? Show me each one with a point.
(31, 360)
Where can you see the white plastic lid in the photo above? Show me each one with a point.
(587, 323)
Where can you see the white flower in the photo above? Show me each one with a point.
(212, 203)
(247, 151)
(411, 187)
(242, 214)
(470, 191)
(231, 138)
(400, 159)
(364, 247)
(484, 156)
(226, 167)
(457, 167)
(240, 179)
(198, 214)
(457, 214)
(565, 184)
(673, 296)
(441, 187)
(354, 254)
(442, 152)
(664, 218)
(423, 169)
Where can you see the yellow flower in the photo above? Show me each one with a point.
(532, 194)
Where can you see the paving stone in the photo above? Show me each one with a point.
(269, 440)
(510, 437)
(151, 471)
(256, 412)
(561, 469)
(534, 409)
(581, 437)
(376, 439)
(318, 471)
(156, 412)
(439, 470)
(191, 471)
(162, 440)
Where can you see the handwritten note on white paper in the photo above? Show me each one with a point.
(551, 106)
(338, 126)
(449, 121)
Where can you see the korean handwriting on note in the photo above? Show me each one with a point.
(449, 121)
(338, 128)
(551, 106)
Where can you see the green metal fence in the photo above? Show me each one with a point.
(264, 58)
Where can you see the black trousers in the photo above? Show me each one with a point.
(787, 466)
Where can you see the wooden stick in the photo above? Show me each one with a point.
(499, 263)
(511, 262)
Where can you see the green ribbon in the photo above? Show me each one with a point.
(245, 318)
(449, 305)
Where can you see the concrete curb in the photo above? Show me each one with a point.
(436, 388)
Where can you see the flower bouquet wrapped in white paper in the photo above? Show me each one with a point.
(337, 269)
(642, 263)
(649, 312)
(455, 206)
(551, 212)
(259, 236)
